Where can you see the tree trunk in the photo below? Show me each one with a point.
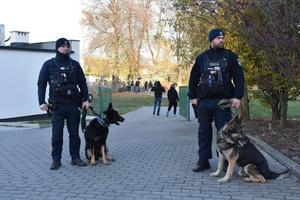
(275, 105)
(245, 106)
(284, 107)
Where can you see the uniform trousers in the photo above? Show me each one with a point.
(209, 111)
(69, 113)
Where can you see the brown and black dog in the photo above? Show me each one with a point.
(234, 146)
(95, 134)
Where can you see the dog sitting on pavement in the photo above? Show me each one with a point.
(95, 134)
(234, 146)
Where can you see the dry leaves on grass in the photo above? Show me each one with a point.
(285, 140)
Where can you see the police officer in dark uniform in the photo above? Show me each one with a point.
(65, 77)
(217, 74)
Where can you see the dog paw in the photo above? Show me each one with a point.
(217, 173)
(247, 179)
(105, 162)
(93, 162)
(223, 180)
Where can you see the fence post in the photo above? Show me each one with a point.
(105, 97)
(184, 103)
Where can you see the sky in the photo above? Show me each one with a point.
(46, 20)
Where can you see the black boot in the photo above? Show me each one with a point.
(201, 166)
(55, 165)
(78, 162)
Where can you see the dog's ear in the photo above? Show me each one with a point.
(231, 124)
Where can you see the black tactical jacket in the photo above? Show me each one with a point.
(65, 78)
(233, 85)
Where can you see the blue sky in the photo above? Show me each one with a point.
(46, 20)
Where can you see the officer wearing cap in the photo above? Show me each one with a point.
(67, 91)
(216, 74)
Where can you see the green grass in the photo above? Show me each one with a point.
(259, 111)
(126, 102)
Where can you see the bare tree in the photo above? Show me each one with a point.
(102, 20)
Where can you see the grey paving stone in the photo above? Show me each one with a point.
(154, 160)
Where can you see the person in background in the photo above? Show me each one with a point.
(132, 86)
(137, 86)
(64, 76)
(158, 91)
(172, 98)
(150, 86)
(146, 86)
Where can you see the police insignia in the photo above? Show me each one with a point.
(239, 62)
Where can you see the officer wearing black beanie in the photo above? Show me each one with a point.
(216, 74)
(60, 42)
(65, 77)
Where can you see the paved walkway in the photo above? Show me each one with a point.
(154, 157)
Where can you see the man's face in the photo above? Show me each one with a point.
(218, 42)
(64, 49)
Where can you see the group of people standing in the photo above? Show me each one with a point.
(216, 74)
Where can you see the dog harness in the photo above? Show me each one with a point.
(240, 143)
(102, 121)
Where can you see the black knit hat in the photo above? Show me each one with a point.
(215, 33)
(60, 42)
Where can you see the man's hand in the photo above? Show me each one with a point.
(194, 101)
(236, 103)
(86, 104)
(44, 107)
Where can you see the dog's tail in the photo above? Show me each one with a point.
(268, 174)
(83, 119)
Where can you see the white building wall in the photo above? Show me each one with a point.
(18, 81)
(19, 36)
(2, 35)
(75, 46)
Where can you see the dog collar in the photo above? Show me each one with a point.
(242, 143)
(102, 121)
(239, 144)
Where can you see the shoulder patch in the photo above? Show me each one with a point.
(239, 62)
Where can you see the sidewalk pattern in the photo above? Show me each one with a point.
(154, 160)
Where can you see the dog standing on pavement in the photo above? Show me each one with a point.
(95, 134)
(234, 146)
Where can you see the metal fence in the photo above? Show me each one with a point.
(105, 97)
(184, 103)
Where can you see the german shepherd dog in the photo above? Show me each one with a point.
(234, 146)
(96, 132)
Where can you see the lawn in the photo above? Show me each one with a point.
(126, 102)
(259, 111)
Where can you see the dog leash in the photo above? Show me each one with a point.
(226, 103)
(93, 111)
(83, 117)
